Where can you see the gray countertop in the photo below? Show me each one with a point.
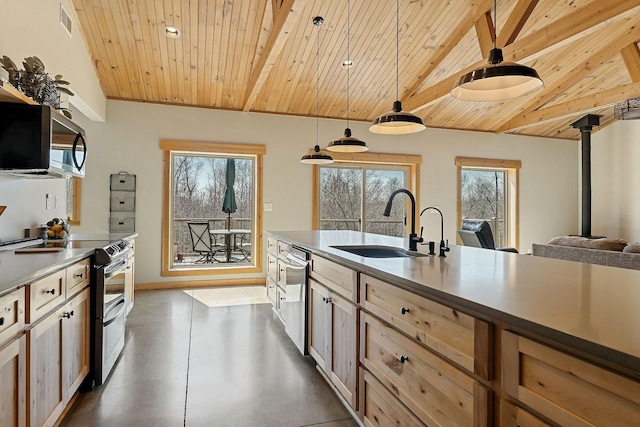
(20, 269)
(590, 308)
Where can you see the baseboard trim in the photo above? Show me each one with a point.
(182, 284)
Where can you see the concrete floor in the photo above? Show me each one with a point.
(186, 364)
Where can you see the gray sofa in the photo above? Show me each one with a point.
(599, 251)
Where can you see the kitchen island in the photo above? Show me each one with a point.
(531, 337)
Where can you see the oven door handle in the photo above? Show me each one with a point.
(113, 318)
(115, 269)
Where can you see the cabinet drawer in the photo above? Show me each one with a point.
(567, 390)
(513, 416)
(381, 408)
(271, 291)
(459, 337)
(272, 266)
(272, 245)
(336, 277)
(12, 308)
(436, 391)
(77, 277)
(122, 224)
(123, 182)
(45, 294)
(282, 249)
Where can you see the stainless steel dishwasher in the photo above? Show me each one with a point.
(296, 273)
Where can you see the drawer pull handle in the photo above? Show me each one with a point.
(68, 314)
(403, 359)
(1, 321)
(79, 275)
(404, 310)
(51, 291)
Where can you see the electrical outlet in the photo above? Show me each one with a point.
(47, 202)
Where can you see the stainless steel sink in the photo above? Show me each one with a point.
(377, 251)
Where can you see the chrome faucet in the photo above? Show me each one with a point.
(444, 247)
(413, 237)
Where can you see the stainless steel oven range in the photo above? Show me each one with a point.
(109, 308)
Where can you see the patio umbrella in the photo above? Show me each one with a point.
(229, 203)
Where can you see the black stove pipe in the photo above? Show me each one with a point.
(586, 124)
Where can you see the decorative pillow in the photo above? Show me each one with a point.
(633, 248)
(606, 244)
(602, 244)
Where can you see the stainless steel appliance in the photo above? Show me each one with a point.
(36, 141)
(296, 274)
(109, 308)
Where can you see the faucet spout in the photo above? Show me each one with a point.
(413, 237)
(443, 247)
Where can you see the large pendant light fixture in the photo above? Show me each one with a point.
(348, 143)
(396, 121)
(316, 156)
(498, 80)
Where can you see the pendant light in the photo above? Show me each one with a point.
(396, 121)
(316, 156)
(348, 143)
(498, 80)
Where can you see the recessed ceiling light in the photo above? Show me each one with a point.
(347, 63)
(171, 31)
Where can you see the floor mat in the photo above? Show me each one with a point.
(232, 295)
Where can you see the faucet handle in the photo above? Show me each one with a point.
(421, 230)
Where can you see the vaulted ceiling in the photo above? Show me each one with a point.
(260, 55)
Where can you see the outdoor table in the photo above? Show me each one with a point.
(228, 233)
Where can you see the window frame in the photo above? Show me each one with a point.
(512, 190)
(410, 161)
(172, 146)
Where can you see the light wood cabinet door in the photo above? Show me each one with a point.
(333, 341)
(272, 266)
(13, 383)
(45, 391)
(335, 277)
(380, 408)
(567, 390)
(76, 345)
(319, 338)
(58, 359)
(129, 283)
(437, 392)
(343, 347)
(271, 291)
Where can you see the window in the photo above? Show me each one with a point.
(74, 191)
(488, 190)
(352, 193)
(206, 228)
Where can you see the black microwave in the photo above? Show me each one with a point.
(37, 141)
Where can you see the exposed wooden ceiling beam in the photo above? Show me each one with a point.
(573, 25)
(485, 31)
(283, 21)
(623, 34)
(631, 57)
(451, 41)
(512, 27)
(574, 107)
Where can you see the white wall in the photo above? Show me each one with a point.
(128, 141)
(615, 180)
(32, 28)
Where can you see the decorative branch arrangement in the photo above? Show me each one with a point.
(34, 82)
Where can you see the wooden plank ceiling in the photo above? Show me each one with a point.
(260, 55)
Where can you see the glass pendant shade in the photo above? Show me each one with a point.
(347, 144)
(497, 81)
(316, 157)
(397, 122)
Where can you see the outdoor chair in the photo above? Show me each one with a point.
(202, 243)
(477, 233)
(243, 245)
